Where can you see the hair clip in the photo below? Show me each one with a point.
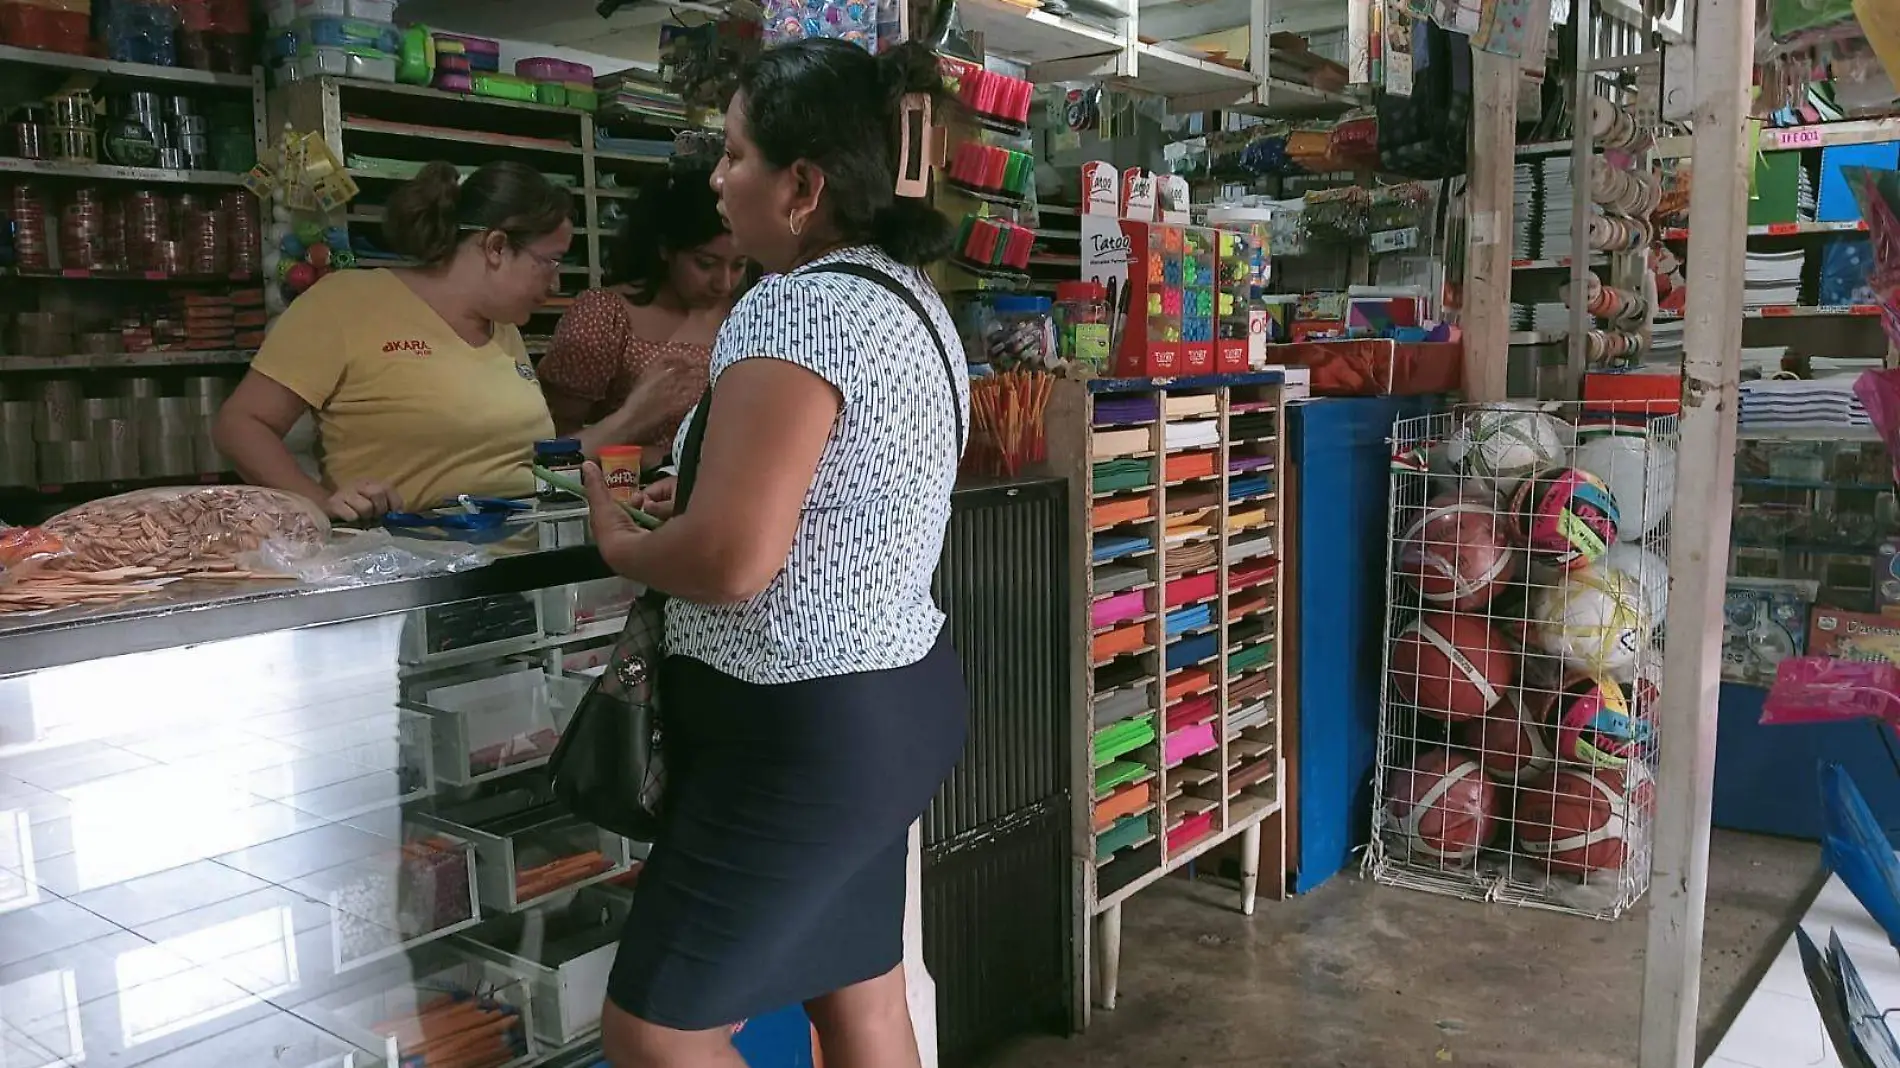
(920, 146)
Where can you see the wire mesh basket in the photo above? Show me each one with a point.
(1527, 584)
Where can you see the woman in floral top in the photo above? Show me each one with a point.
(647, 340)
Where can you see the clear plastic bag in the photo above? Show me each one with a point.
(24, 550)
(187, 528)
(1823, 689)
(371, 556)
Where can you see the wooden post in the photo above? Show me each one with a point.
(1487, 294)
(1698, 557)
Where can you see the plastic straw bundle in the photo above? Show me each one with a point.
(1007, 411)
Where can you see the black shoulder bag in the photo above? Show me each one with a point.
(609, 768)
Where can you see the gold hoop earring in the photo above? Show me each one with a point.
(796, 225)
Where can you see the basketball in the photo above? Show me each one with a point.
(1567, 517)
(1581, 821)
(1451, 666)
(1509, 741)
(1641, 475)
(1596, 723)
(1441, 807)
(1458, 554)
(1595, 620)
(1502, 445)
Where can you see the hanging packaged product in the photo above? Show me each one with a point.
(1082, 314)
(994, 246)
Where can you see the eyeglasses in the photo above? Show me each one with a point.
(547, 264)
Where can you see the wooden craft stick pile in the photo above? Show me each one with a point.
(457, 1031)
(549, 877)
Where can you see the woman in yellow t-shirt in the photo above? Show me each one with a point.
(418, 379)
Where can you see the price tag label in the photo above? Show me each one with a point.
(1798, 137)
(1784, 229)
(1864, 309)
(1395, 240)
(1777, 311)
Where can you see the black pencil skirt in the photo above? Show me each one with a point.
(779, 873)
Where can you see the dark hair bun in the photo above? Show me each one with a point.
(428, 215)
(419, 217)
(837, 107)
(676, 210)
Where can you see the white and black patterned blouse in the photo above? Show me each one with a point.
(855, 592)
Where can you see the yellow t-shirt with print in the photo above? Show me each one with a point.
(400, 398)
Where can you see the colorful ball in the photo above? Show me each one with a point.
(309, 232)
(1502, 445)
(1595, 620)
(317, 255)
(1451, 666)
(1583, 821)
(1511, 742)
(1567, 517)
(1597, 724)
(1459, 554)
(1648, 570)
(1641, 475)
(301, 277)
(291, 246)
(1441, 807)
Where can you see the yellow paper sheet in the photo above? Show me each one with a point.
(1880, 21)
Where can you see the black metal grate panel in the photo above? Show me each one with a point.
(1004, 584)
(996, 932)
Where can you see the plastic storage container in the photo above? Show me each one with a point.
(284, 12)
(544, 69)
(551, 93)
(439, 994)
(367, 64)
(528, 848)
(1021, 334)
(568, 968)
(502, 86)
(490, 727)
(384, 37)
(582, 96)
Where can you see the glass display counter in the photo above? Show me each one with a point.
(311, 827)
(307, 828)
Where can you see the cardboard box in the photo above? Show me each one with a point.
(1854, 635)
(1764, 621)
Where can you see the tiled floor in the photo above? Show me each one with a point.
(1362, 976)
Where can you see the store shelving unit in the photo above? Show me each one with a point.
(1176, 555)
(375, 121)
(95, 299)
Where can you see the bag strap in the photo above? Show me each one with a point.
(696, 429)
(902, 292)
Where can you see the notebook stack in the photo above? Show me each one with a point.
(1665, 340)
(1782, 403)
(1525, 211)
(1557, 209)
(1773, 278)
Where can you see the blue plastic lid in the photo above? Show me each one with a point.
(557, 446)
(1014, 305)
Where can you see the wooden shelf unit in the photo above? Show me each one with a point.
(1187, 617)
(410, 123)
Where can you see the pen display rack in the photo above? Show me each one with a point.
(1177, 744)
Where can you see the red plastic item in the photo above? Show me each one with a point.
(46, 28)
(1821, 689)
(1645, 392)
(1376, 366)
(1191, 830)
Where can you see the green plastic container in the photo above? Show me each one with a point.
(582, 96)
(504, 87)
(551, 93)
